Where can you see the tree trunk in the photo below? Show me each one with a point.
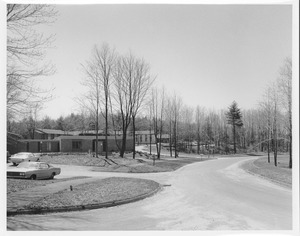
(290, 152)
(97, 138)
(159, 145)
(234, 142)
(170, 138)
(268, 144)
(291, 137)
(198, 141)
(150, 137)
(106, 127)
(133, 124)
(268, 151)
(123, 148)
(175, 140)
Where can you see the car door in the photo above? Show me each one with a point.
(43, 171)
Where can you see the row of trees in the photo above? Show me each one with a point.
(116, 85)
(120, 96)
(266, 128)
(276, 106)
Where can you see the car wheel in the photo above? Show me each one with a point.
(33, 177)
(14, 163)
(52, 175)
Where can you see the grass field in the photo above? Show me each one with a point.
(106, 190)
(281, 174)
(16, 185)
(141, 164)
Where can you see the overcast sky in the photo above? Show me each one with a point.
(209, 54)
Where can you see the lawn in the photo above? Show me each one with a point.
(16, 185)
(103, 191)
(281, 174)
(143, 163)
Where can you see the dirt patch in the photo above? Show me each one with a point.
(101, 191)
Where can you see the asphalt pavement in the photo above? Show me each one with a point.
(212, 195)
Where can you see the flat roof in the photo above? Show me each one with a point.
(38, 140)
(78, 137)
(52, 131)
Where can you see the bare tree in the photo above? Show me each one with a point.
(275, 111)
(105, 61)
(188, 131)
(32, 121)
(285, 89)
(25, 54)
(157, 110)
(150, 127)
(169, 117)
(199, 119)
(267, 112)
(177, 106)
(142, 82)
(123, 83)
(132, 82)
(99, 72)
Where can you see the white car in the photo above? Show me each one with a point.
(33, 170)
(24, 156)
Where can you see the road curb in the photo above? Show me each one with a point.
(84, 207)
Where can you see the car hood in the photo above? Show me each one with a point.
(20, 169)
(19, 157)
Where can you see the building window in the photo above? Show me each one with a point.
(76, 145)
(141, 138)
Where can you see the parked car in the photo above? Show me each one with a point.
(33, 170)
(23, 156)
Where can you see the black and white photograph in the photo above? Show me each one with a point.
(150, 117)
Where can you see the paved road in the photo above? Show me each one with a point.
(210, 195)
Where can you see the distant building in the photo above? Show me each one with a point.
(40, 145)
(65, 143)
(88, 143)
(50, 140)
(145, 137)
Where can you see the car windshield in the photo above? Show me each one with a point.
(28, 165)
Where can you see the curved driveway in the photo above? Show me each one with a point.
(210, 195)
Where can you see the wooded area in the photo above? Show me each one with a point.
(123, 97)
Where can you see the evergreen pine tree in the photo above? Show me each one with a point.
(234, 118)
